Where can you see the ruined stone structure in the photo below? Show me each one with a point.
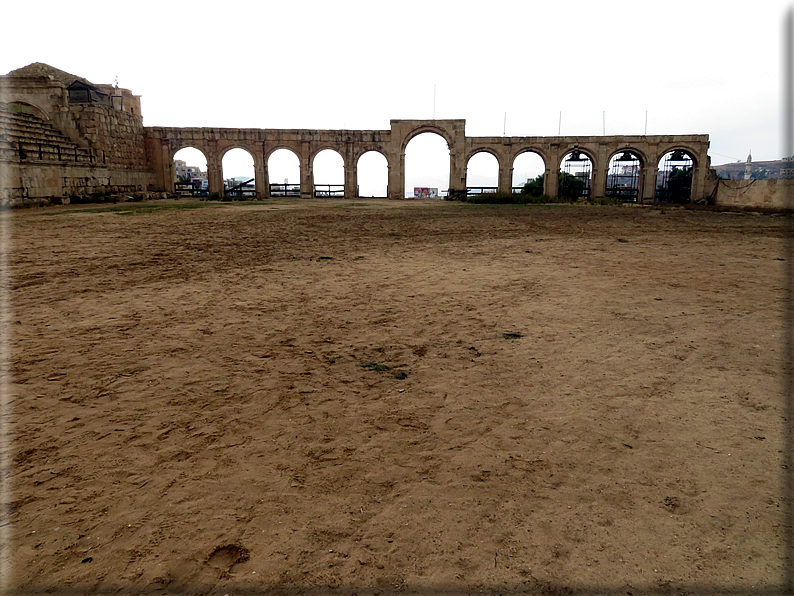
(773, 193)
(61, 135)
(352, 144)
(57, 141)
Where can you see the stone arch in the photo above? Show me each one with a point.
(483, 149)
(631, 149)
(574, 185)
(225, 149)
(625, 174)
(25, 107)
(185, 190)
(272, 149)
(693, 153)
(361, 149)
(670, 184)
(590, 153)
(471, 176)
(357, 162)
(176, 148)
(423, 128)
(328, 147)
(276, 188)
(535, 189)
(531, 149)
(423, 159)
(326, 185)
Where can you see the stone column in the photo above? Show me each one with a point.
(551, 178)
(307, 173)
(351, 179)
(640, 183)
(457, 168)
(648, 190)
(505, 178)
(698, 181)
(598, 187)
(215, 175)
(396, 176)
(166, 173)
(551, 182)
(260, 176)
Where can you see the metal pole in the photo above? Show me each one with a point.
(434, 102)
(604, 122)
(559, 126)
(646, 123)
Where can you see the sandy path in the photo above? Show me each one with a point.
(590, 399)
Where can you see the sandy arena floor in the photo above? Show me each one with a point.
(379, 397)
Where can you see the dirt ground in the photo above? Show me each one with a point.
(379, 397)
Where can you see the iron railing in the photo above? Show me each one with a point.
(329, 190)
(285, 190)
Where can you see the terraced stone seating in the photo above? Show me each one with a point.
(26, 138)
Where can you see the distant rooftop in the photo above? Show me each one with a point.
(39, 69)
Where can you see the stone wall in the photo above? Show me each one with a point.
(117, 138)
(753, 193)
(55, 183)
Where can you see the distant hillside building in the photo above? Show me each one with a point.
(755, 170)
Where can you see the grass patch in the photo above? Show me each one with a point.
(512, 335)
(507, 198)
(135, 209)
(374, 366)
(606, 201)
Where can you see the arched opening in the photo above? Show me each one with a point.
(529, 173)
(373, 175)
(623, 176)
(28, 109)
(328, 169)
(238, 174)
(576, 176)
(190, 173)
(482, 174)
(674, 179)
(284, 172)
(427, 166)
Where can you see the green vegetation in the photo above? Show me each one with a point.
(534, 187)
(571, 186)
(397, 374)
(679, 183)
(606, 201)
(374, 366)
(506, 198)
(136, 208)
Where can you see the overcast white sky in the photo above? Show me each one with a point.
(695, 66)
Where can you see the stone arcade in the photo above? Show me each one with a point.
(60, 135)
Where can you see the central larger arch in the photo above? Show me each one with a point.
(403, 131)
(426, 163)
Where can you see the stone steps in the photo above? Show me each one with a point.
(25, 138)
(15, 128)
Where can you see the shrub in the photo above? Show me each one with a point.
(504, 198)
(606, 201)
